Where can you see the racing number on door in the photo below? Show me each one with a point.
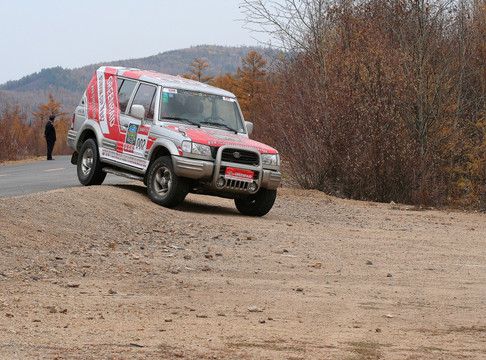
(142, 139)
(141, 144)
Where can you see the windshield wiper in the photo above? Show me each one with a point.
(182, 119)
(220, 125)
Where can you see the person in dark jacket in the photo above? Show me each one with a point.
(50, 135)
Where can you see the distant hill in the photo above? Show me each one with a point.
(67, 85)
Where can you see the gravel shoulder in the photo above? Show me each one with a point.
(102, 272)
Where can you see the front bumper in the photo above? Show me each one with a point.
(271, 179)
(192, 168)
(211, 171)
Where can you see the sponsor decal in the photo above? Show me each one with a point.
(143, 130)
(102, 98)
(124, 158)
(102, 102)
(110, 99)
(128, 148)
(169, 90)
(132, 134)
(228, 99)
(165, 97)
(168, 93)
(136, 140)
(238, 174)
(92, 99)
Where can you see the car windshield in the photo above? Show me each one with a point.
(200, 109)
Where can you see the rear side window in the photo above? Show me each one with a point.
(146, 96)
(125, 89)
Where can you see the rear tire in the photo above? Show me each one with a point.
(89, 164)
(258, 204)
(164, 187)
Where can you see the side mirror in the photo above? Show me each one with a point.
(137, 111)
(249, 127)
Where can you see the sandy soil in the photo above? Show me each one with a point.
(103, 273)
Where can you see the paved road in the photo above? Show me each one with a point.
(43, 175)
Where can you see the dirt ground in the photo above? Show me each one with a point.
(103, 273)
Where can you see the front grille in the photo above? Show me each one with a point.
(240, 157)
(237, 185)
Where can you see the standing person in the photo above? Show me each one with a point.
(50, 135)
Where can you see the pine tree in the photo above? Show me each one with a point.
(52, 108)
(251, 83)
(197, 71)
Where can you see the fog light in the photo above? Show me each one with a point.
(252, 187)
(220, 182)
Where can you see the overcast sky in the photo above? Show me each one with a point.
(42, 34)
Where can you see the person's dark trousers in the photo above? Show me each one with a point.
(50, 146)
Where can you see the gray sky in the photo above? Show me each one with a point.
(42, 34)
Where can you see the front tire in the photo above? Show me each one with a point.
(258, 204)
(89, 164)
(164, 187)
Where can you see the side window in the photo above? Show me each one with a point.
(125, 89)
(146, 96)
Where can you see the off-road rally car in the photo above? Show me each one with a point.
(174, 134)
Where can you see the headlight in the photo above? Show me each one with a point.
(187, 146)
(201, 149)
(270, 159)
(195, 148)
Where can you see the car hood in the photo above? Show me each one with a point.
(213, 137)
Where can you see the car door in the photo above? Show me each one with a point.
(137, 130)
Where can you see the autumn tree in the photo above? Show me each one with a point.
(251, 85)
(20, 138)
(466, 149)
(227, 82)
(198, 67)
(14, 134)
(251, 80)
(61, 124)
(52, 108)
(379, 100)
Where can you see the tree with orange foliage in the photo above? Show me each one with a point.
(18, 139)
(52, 108)
(197, 71)
(14, 134)
(251, 80)
(229, 82)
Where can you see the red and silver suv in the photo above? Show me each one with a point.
(174, 134)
